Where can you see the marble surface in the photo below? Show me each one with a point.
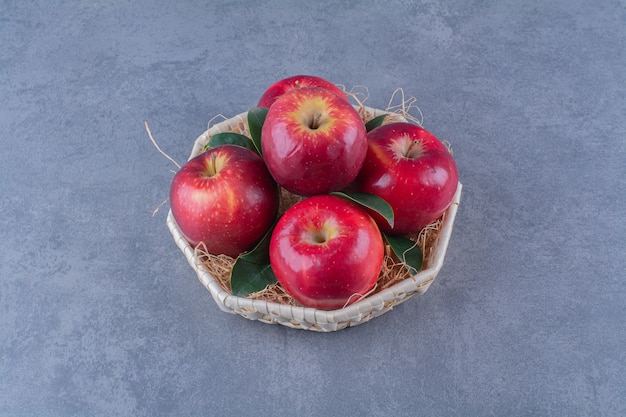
(100, 314)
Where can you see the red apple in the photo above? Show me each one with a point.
(325, 252)
(297, 81)
(313, 141)
(413, 171)
(226, 198)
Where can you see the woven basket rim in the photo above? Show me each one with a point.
(308, 317)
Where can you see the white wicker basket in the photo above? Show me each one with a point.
(311, 318)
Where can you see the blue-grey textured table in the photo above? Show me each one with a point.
(100, 314)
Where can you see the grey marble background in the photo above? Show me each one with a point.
(100, 314)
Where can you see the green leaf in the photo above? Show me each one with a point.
(370, 201)
(249, 277)
(407, 252)
(375, 122)
(252, 271)
(229, 138)
(260, 254)
(256, 118)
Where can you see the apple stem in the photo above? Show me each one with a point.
(320, 237)
(212, 169)
(315, 123)
(414, 150)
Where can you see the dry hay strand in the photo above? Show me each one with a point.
(402, 111)
(274, 294)
(158, 148)
(405, 108)
(219, 266)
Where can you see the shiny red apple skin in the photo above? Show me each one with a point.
(230, 210)
(419, 187)
(308, 160)
(326, 252)
(297, 81)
